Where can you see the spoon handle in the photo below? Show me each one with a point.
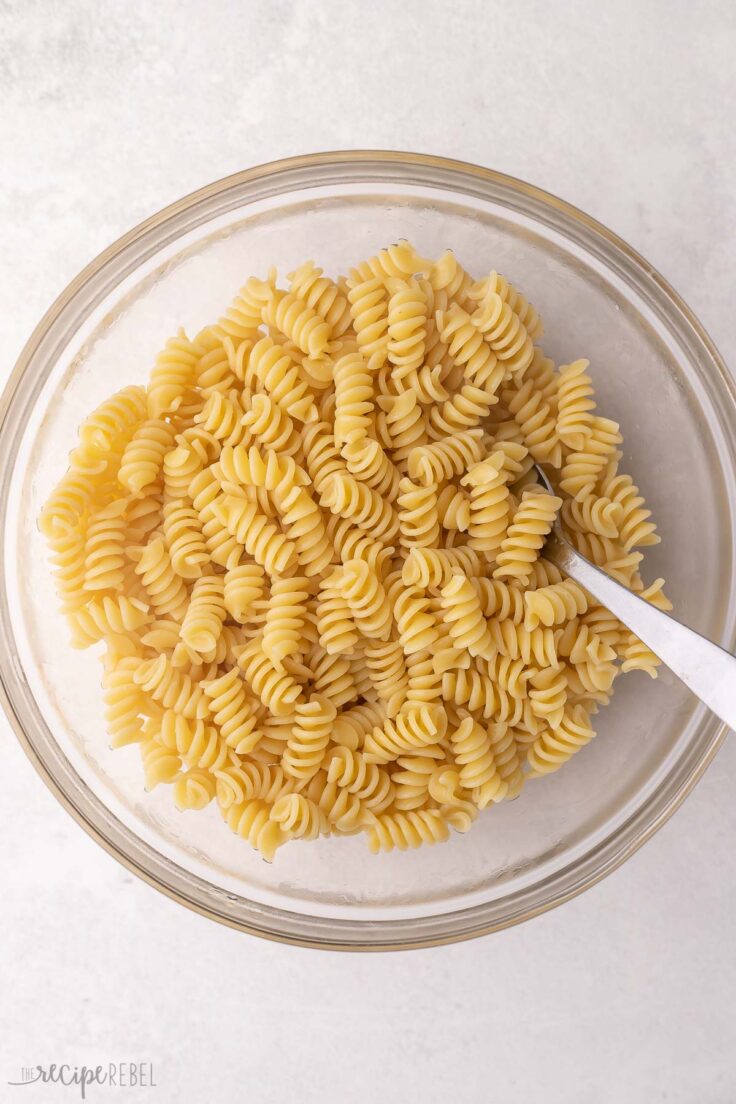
(706, 669)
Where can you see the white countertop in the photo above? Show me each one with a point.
(111, 111)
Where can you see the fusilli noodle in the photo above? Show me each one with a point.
(313, 548)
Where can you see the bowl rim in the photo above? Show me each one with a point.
(305, 162)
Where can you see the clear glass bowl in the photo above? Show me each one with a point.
(655, 370)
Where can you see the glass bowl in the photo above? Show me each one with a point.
(656, 371)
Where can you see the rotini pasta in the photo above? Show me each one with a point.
(104, 555)
(173, 372)
(531, 523)
(312, 548)
(310, 736)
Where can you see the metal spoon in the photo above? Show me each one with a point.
(706, 669)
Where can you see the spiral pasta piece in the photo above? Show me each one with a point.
(270, 425)
(368, 462)
(548, 695)
(489, 508)
(500, 600)
(401, 424)
(554, 604)
(397, 261)
(534, 646)
(290, 314)
(413, 779)
(338, 634)
(199, 745)
(299, 817)
(223, 548)
(370, 783)
(464, 410)
(638, 657)
(322, 455)
(405, 830)
(113, 420)
(144, 455)
(321, 295)
(344, 811)
(509, 671)
(434, 567)
(407, 326)
(104, 557)
(369, 311)
(494, 283)
(222, 417)
(252, 822)
(508, 759)
(361, 505)
(213, 372)
(278, 690)
(417, 626)
(261, 540)
(473, 754)
(174, 690)
(351, 543)
(332, 676)
(353, 399)
(609, 555)
(463, 615)
(414, 728)
(306, 746)
(444, 459)
(167, 591)
(67, 504)
(174, 371)
(248, 781)
(556, 745)
(535, 417)
(353, 725)
(634, 527)
(387, 669)
(575, 405)
(366, 599)
(193, 789)
(301, 519)
(505, 333)
(183, 533)
(453, 509)
(234, 711)
(159, 764)
(285, 619)
(279, 374)
(467, 348)
(471, 689)
(581, 470)
(195, 449)
(419, 525)
(592, 514)
(124, 702)
(205, 614)
(448, 275)
(532, 521)
(243, 317)
(242, 467)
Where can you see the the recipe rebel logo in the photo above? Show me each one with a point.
(117, 1075)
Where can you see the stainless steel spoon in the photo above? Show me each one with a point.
(706, 669)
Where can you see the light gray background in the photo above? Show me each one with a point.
(110, 111)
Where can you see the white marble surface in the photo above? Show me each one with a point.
(111, 110)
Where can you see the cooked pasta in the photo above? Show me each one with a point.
(104, 550)
(312, 547)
